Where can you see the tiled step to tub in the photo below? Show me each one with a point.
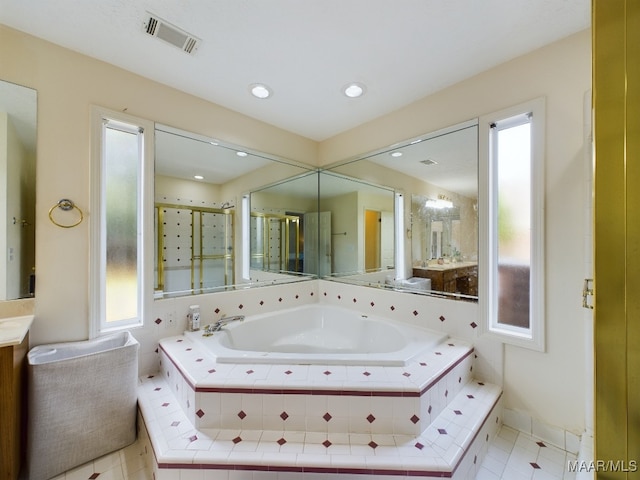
(451, 447)
(315, 398)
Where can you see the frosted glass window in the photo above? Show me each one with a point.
(121, 288)
(122, 153)
(513, 221)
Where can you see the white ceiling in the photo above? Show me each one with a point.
(305, 50)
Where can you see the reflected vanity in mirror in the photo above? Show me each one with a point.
(438, 175)
(18, 114)
(200, 183)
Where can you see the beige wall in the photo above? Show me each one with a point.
(68, 84)
(548, 386)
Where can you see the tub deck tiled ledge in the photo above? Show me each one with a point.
(427, 419)
(451, 447)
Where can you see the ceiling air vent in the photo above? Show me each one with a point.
(163, 30)
(428, 161)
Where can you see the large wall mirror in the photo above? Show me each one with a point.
(200, 184)
(437, 174)
(18, 124)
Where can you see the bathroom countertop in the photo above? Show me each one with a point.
(14, 329)
(448, 266)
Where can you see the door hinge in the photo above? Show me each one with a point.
(588, 293)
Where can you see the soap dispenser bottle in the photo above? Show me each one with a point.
(193, 318)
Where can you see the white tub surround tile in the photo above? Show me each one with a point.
(427, 419)
(402, 400)
(446, 448)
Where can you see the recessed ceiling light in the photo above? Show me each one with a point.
(260, 90)
(396, 154)
(198, 177)
(242, 154)
(354, 90)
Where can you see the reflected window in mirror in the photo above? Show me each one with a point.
(438, 175)
(200, 187)
(18, 115)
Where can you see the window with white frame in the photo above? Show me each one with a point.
(121, 224)
(514, 222)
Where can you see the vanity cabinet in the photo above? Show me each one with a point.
(13, 401)
(451, 278)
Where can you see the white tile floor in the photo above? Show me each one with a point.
(512, 455)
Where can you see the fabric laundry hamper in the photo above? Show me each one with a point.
(82, 402)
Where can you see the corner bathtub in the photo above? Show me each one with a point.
(318, 335)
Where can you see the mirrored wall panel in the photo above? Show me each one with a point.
(18, 126)
(199, 186)
(438, 176)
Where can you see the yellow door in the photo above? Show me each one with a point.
(616, 101)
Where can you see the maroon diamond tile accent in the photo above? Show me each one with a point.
(261, 302)
(459, 379)
(179, 340)
(241, 306)
(371, 418)
(175, 424)
(339, 297)
(213, 370)
(188, 404)
(193, 438)
(392, 308)
(165, 404)
(473, 325)
(237, 440)
(423, 364)
(373, 445)
(241, 414)
(406, 374)
(217, 310)
(327, 372)
(355, 300)
(415, 419)
(188, 349)
(249, 372)
(419, 446)
(442, 319)
(373, 304)
(200, 413)
(415, 313)
(158, 321)
(442, 431)
(288, 372)
(326, 443)
(451, 344)
(487, 439)
(150, 376)
(535, 465)
(281, 442)
(366, 374)
(429, 409)
(284, 415)
(481, 384)
(327, 416)
(157, 389)
(446, 393)
(94, 476)
(540, 444)
(280, 299)
(199, 359)
(470, 396)
(475, 459)
(457, 412)
(438, 353)
(297, 296)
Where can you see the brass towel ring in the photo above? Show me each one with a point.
(66, 205)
